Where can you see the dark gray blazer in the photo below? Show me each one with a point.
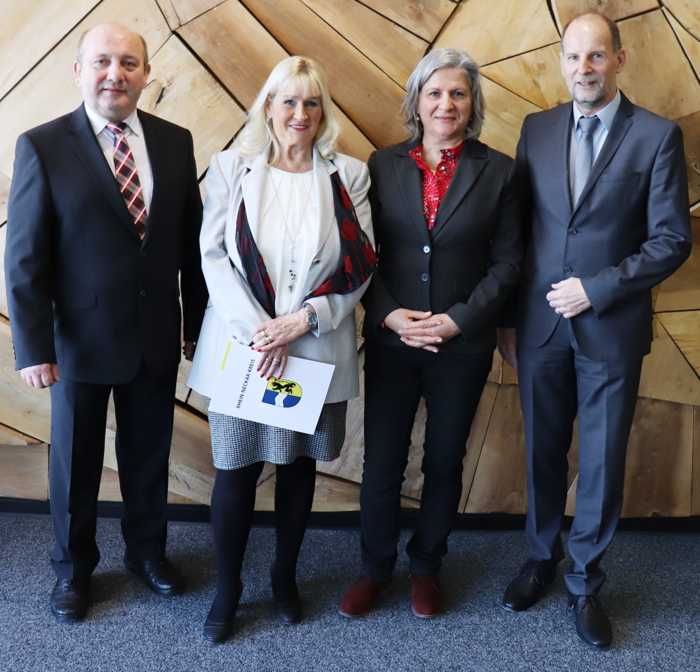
(629, 230)
(466, 266)
(83, 290)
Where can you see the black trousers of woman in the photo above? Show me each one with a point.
(395, 380)
(232, 505)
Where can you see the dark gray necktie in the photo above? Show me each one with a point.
(584, 154)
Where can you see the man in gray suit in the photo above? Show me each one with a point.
(605, 187)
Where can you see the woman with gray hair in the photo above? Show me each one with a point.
(446, 223)
(287, 253)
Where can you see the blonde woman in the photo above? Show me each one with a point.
(287, 252)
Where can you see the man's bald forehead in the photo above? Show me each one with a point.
(117, 27)
(612, 27)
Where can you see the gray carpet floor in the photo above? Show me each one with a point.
(652, 596)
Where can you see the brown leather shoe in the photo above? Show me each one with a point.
(360, 597)
(426, 596)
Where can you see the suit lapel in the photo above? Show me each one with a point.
(410, 181)
(159, 165)
(472, 161)
(90, 153)
(621, 124)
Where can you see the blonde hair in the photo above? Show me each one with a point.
(257, 135)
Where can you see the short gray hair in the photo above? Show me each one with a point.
(437, 60)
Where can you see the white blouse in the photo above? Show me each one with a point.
(288, 234)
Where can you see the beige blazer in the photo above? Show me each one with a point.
(233, 311)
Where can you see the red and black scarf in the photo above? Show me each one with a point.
(357, 257)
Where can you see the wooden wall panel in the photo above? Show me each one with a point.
(478, 26)
(565, 10)
(24, 471)
(29, 30)
(666, 374)
(682, 291)
(182, 91)
(499, 483)
(369, 32)
(535, 76)
(675, 92)
(3, 292)
(425, 18)
(687, 12)
(210, 58)
(179, 12)
(684, 328)
(658, 476)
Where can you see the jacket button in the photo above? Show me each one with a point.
(426, 249)
(142, 293)
(424, 277)
(573, 232)
(568, 269)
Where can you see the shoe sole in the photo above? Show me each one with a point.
(166, 593)
(347, 614)
(69, 619)
(424, 616)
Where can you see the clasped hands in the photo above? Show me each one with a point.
(271, 339)
(422, 329)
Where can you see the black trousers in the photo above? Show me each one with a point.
(557, 383)
(395, 380)
(144, 411)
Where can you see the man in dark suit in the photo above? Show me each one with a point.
(607, 219)
(104, 215)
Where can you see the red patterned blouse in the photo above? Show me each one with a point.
(435, 184)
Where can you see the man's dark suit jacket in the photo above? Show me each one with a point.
(466, 266)
(83, 290)
(629, 230)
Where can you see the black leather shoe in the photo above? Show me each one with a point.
(159, 575)
(530, 585)
(287, 602)
(217, 631)
(70, 599)
(592, 623)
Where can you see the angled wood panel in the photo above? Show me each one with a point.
(690, 126)
(535, 76)
(179, 12)
(423, 17)
(500, 482)
(675, 92)
(688, 14)
(241, 54)
(182, 91)
(49, 90)
(684, 329)
(690, 44)
(29, 30)
(3, 292)
(682, 290)
(370, 33)
(366, 94)
(666, 374)
(505, 113)
(659, 460)
(24, 471)
(565, 10)
(479, 27)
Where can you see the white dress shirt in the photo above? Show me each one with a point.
(137, 143)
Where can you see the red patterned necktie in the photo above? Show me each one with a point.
(127, 177)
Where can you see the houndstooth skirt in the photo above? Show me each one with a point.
(236, 443)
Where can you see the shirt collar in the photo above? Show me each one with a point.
(606, 115)
(99, 123)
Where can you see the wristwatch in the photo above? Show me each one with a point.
(311, 317)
